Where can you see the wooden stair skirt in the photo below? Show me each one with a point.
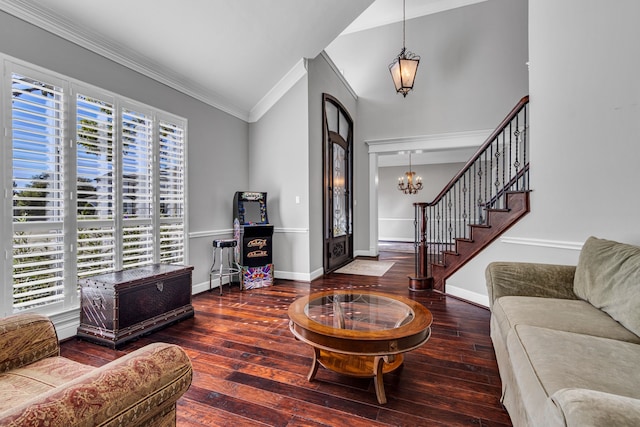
(497, 222)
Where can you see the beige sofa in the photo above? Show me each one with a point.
(567, 337)
(40, 388)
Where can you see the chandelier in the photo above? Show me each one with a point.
(405, 66)
(414, 183)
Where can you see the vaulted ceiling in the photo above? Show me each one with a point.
(228, 53)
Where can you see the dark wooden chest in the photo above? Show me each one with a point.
(120, 306)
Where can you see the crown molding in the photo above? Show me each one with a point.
(338, 73)
(278, 91)
(48, 20)
(288, 81)
(433, 142)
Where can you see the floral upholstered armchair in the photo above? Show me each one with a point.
(40, 388)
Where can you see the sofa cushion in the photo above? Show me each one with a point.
(608, 276)
(590, 408)
(548, 360)
(561, 314)
(133, 390)
(22, 384)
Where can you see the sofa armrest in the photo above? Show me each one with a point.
(529, 279)
(26, 338)
(591, 408)
(130, 391)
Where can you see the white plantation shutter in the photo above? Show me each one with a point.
(137, 189)
(171, 165)
(97, 185)
(38, 195)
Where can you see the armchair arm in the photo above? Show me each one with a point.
(529, 279)
(26, 338)
(133, 390)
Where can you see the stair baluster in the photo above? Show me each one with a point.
(484, 199)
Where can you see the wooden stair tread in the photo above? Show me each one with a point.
(497, 221)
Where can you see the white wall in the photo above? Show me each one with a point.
(395, 209)
(324, 79)
(278, 161)
(217, 142)
(585, 134)
(472, 70)
(286, 162)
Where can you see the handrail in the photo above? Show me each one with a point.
(499, 166)
(501, 127)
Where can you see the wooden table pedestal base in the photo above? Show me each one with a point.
(357, 366)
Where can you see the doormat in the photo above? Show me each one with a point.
(366, 268)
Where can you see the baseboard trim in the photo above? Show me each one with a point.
(204, 286)
(372, 252)
(278, 274)
(396, 239)
(464, 294)
(66, 323)
(301, 277)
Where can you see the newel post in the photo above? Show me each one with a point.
(420, 281)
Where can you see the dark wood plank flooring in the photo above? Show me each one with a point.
(250, 371)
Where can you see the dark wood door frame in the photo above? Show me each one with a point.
(337, 184)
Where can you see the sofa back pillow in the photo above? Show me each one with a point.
(608, 277)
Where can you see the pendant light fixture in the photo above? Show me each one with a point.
(414, 183)
(404, 67)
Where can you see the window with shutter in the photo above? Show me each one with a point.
(172, 186)
(95, 192)
(97, 184)
(137, 189)
(37, 123)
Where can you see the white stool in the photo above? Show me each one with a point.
(221, 267)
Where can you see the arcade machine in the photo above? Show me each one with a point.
(254, 235)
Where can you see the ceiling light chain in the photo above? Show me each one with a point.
(405, 66)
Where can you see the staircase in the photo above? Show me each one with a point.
(483, 200)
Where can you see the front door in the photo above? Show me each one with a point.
(338, 184)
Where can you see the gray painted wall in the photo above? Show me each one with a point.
(278, 160)
(395, 209)
(217, 142)
(323, 79)
(472, 70)
(585, 134)
(585, 116)
(286, 161)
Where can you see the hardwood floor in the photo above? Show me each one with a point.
(250, 371)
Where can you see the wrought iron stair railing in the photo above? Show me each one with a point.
(482, 188)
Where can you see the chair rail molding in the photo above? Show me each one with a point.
(227, 231)
(555, 244)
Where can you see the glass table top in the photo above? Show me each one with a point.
(360, 312)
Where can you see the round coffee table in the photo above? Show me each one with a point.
(359, 333)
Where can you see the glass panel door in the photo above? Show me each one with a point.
(338, 185)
